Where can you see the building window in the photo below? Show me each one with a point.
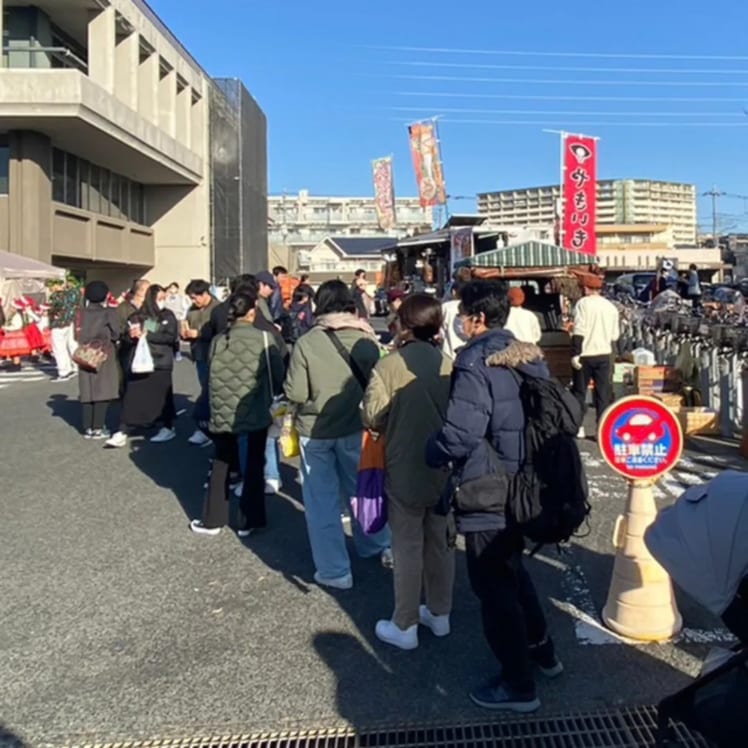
(4, 166)
(81, 184)
(58, 176)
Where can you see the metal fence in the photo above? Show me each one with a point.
(238, 136)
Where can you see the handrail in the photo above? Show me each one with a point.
(33, 49)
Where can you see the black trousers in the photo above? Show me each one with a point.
(94, 415)
(252, 501)
(599, 369)
(512, 616)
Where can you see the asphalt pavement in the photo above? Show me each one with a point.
(117, 622)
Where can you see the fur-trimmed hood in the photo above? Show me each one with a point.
(499, 348)
(515, 355)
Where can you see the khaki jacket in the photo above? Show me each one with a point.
(407, 401)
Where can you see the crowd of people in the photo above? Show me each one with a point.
(443, 394)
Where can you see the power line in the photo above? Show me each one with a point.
(460, 110)
(541, 81)
(546, 123)
(588, 55)
(535, 97)
(562, 69)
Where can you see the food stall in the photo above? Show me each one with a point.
(549, 276)
(23, 278)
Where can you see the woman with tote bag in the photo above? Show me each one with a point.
(150, 340)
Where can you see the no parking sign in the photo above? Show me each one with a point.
(640, 438)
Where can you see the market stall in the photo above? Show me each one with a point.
(22, 290)
(549, 276)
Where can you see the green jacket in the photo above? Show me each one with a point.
(323, 385)
(199, 319)
(407, 400)
(240, 382)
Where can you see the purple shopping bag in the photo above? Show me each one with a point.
(370, 503)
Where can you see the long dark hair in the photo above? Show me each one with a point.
(150, 309)
(241, 304)
(333, 297)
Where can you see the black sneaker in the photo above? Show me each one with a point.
(499, 697)
(544, 656)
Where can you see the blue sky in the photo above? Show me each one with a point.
(338, 92)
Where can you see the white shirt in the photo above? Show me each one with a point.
(597, 321)
(452, 335)
(523, 324)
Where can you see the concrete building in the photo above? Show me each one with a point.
(303, 220)
(105, 150)
(619, 201)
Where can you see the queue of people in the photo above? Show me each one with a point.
(444, 397)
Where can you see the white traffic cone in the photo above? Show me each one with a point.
(641, 604)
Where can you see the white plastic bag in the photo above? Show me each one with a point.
(142, 361)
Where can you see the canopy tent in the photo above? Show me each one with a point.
(525, 260)
(17, 267)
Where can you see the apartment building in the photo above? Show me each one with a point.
(303, 220)
(106, 158)
(619, 201)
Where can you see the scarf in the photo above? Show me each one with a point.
(345, 321)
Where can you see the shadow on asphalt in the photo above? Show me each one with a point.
(9, 739)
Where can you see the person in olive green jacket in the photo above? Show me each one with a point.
(406, 401)
(245, 369)
(329, 370)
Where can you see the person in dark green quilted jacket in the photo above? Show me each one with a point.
(246, 371)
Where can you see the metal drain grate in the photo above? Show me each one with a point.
(626, 728)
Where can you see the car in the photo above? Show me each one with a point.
(635, 284)
(642, 428)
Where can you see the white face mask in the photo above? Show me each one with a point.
(161, 304)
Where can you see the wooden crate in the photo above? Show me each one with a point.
(653, 380)
(672, 400)
(695, 421)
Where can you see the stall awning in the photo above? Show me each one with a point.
(528, 255)
(14, 267)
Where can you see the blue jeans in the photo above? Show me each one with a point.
(272, 462)
(202, 405)
(329, 468)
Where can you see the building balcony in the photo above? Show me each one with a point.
(83, 118)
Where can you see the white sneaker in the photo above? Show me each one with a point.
(198, 527)
(165, 435)
(118, 440)
(199, 439)
(272, 486)
(581, 434)
(388, 559)
(238, 490)
(339, 583)
(439, 625)
(244, 533)
(390, 633)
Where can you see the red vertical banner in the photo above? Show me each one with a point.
(580, 194)
(384, 193)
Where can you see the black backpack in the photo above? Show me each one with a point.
(548, 497)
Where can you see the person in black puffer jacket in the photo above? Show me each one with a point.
(150, 397)
(482, 440)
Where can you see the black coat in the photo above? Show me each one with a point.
(101, 325)
(162, 342)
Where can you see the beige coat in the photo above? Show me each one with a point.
(407, 401)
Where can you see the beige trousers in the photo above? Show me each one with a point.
(423, 562)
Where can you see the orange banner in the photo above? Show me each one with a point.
(424, 146)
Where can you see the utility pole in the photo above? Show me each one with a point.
(714, 193)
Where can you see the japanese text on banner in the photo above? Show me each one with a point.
(580, 194)
(424, 146)
(384, 193)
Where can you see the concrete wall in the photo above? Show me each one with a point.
(4, 224)
(180, 218)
